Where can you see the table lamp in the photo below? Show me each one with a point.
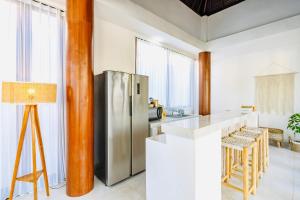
(29, 95)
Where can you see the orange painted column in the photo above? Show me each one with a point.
(204, 83)
(80, 95)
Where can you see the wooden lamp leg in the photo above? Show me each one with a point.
(19, 151)
(41, 148)
(33, 153)
(36, 132)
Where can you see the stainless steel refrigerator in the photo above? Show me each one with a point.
(121, 125)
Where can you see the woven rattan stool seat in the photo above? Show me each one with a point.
(254, 129)
(246, 134)
(236, 143)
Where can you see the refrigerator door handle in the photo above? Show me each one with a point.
(130, 106)
(138, 88)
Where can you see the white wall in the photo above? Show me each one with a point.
(250, 14)
(175, 12)
(114, 47)
(234, 68)
(134, 17)
(172, 21)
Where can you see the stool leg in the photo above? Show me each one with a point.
(19, 151)
(267, 134)
(230, 162)
(245, 174)
(264, 143)
(260, 158)
(33, 154)
(241, 157)
(41, 148)
(254, 169)
(227, 165)
(267, 149)
(236, 158)
(278, 144)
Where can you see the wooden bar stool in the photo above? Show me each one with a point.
(258, 138)
(245, 147)
(265, 142)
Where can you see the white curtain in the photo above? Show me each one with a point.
(152, 61)
(275, 93)
(32, 49)
(181, 81)
(172, 76)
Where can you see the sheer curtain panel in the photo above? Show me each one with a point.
(152, 61)
(172, 76)
(181, 81)
(32, 49)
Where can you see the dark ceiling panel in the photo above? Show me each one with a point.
(209, 7)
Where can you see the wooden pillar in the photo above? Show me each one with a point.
(204, 83)
(80, 124)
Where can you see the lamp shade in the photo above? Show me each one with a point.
(28, 93)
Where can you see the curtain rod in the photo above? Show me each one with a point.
(48, 5)
(42, 3)
(164, 47)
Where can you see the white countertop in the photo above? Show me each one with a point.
(156, 123)
(201, 125)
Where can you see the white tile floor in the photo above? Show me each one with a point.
(281, 182)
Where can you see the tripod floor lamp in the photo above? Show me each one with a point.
(29, 95)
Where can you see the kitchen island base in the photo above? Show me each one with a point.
(185, 162)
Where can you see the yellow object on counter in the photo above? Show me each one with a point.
(253, 107)
(150, 105)
(164, 114)
(155, 102)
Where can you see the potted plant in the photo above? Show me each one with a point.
(294, 125)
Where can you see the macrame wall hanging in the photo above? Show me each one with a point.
(275, 93)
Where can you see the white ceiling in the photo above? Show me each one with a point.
(61, 2)
(244, 16)
(175, 12)
(250, 14)
(173, 21)
(147, 25)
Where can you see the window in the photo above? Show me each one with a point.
(172, 76)
(32, 49)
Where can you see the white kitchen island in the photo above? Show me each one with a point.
(184, 163)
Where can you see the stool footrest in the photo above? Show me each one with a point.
(29, 177)
(233, 187)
